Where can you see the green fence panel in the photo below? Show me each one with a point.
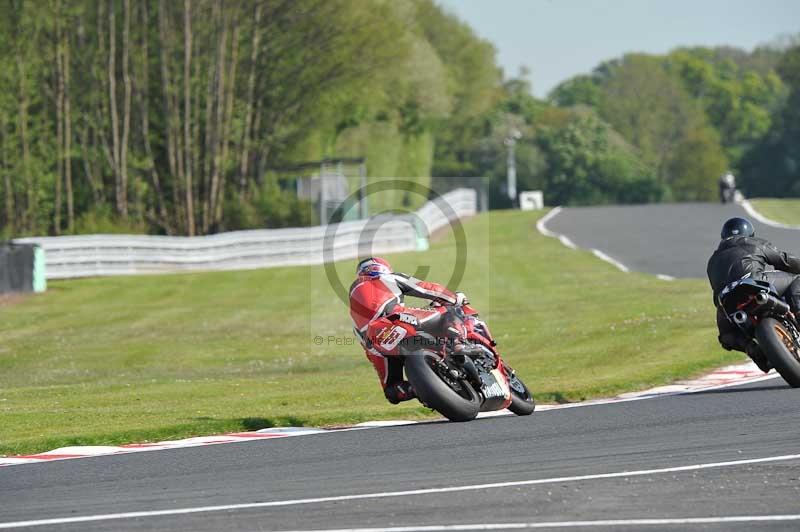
(39, 270)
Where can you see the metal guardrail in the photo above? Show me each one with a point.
(101, 255)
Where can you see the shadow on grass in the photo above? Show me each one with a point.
(258, 423)
(772, 387)
(252, 423)
(554, 397)
(200, 426)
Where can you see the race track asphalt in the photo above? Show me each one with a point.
(617, 445)
(754, 421)
(670, 239)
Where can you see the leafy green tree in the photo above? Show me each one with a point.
(697, 111)
(163, 115)
(739, 101)
(696, 165)
(579, 90)
(656, 105)
(474, 82)
(585, 168)
(648, 108)
(772, 167)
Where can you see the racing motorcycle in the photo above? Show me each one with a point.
(760, 313)
(452, 362)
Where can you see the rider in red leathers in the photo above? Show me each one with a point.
(378, 292)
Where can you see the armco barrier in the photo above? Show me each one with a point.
(95, 255)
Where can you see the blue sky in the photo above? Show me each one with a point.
(558, 39)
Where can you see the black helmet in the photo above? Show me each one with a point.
(737, 227)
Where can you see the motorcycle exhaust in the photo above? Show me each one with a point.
(740, 317)
(770, 303)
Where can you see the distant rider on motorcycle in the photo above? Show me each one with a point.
(727, 188)
(378, 292)
(740, 254)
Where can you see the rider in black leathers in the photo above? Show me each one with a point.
(741, 254)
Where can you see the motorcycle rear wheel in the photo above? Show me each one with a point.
(454, 398)
(781, 349)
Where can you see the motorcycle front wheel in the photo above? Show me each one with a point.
(522, 403)
(781, 349)
(437, 388)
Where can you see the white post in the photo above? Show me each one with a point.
(511, 165)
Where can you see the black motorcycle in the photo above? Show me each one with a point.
(760, 313)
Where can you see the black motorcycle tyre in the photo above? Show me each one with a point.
(522, 404)
(435, 393)
(782, 359)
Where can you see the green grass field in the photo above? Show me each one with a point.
(786, 211)
(114, 360)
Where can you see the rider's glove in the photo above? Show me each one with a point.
(461, 299)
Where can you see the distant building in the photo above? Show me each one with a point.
(327, 192)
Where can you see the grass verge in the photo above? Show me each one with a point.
(785, 211)
(115, 360)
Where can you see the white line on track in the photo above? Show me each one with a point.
(614, 262)
(541, 226)
(389, 494)
(573, 524)
(567, 242)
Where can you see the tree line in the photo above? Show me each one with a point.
(167, 116)
(176, 116)
(646, 128)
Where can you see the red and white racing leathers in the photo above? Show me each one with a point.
(373, 298)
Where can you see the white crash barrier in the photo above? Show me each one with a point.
(100, 255)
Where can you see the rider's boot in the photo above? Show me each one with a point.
(399, 392)
(757, 355)
(794, 304)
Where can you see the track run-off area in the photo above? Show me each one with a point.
(719, 458)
